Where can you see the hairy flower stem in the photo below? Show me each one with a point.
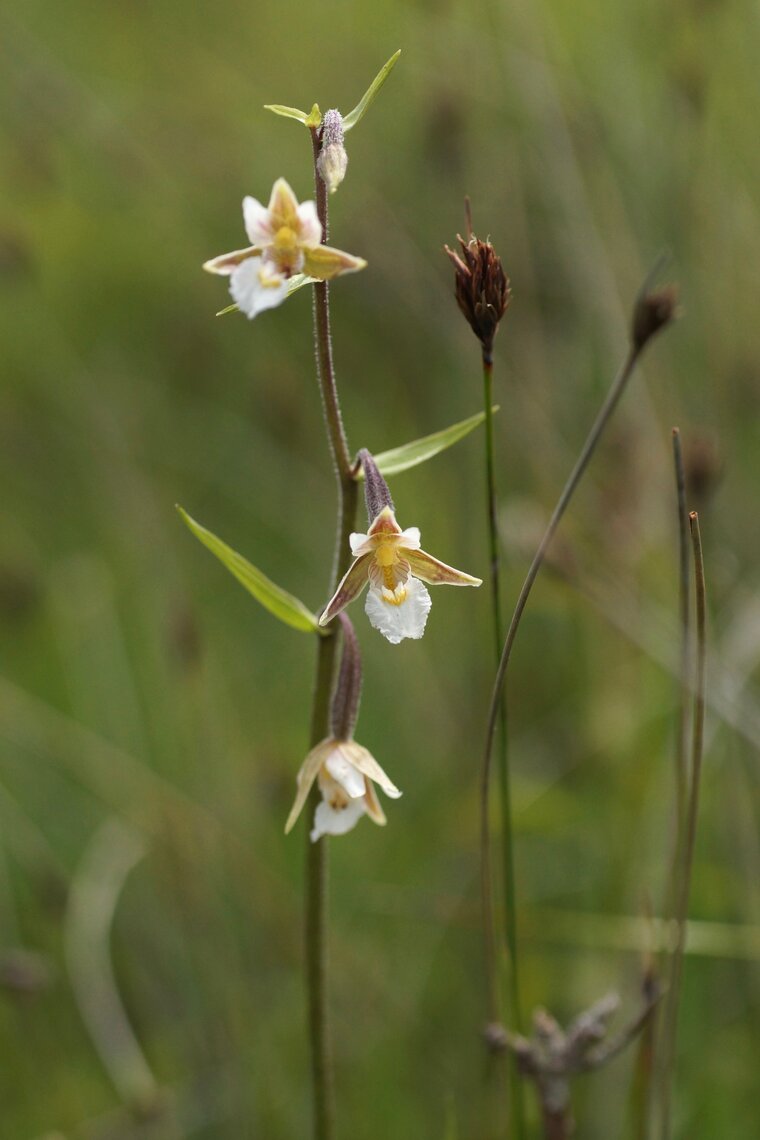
(505, 792)
(605, 412)
(316, 856)
(690, 829)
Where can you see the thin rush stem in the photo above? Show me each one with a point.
(685, 623)
(608, 407)
(316, 883)
(690, 836)
(670, 908)
(505, 792)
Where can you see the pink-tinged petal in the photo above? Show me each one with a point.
(437, 573)
(309, 225)
(396, 622)
(343, 771)
(360, 544)
(364, 762)
(336, 821)
(256, 220)
(372, 805)
(283, 207)
(410, 538)
(384, 523)
(229, 261)
(350, 587)
(324, 263)
(306, 776)
(255, 288)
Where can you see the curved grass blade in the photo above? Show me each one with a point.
(420, 450)
(353, 117)
(279, 602)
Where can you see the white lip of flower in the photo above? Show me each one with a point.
(345, 773)
(390, 561)
(285, 237)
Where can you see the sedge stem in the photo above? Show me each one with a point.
(517, 1112)
(690, 829)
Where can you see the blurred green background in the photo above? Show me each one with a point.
(152, 717)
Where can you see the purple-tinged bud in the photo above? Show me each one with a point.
(376, 491)
(332, 160)
(481, 286)
(652, 312)
(345, 703)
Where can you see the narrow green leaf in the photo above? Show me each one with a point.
(287, 112)
(230, 309)
(353, 117)
(420, 450)
(278, 601)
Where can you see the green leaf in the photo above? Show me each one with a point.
(278, 601)
(230, 309)
(420, 450)
(353, 117)
(313, 119)
(287, 112)
(296, 282)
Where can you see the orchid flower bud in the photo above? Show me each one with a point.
(332, 160)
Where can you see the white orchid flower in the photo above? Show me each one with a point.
(285, 237)
(346, 774)
(389, 560)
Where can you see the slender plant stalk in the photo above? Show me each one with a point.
(517, 1108)
(690, 831)
(605, 412)
(317, 853)
(684, 612)
(670, 909)
(653, 1041)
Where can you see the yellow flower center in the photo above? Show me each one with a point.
(285, 250)
(386, 557)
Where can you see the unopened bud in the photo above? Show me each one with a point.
(482, 287)
(376, 490)
(653, 311)
(332, 160)
(345, 703)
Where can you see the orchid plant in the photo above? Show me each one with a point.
(338, 778)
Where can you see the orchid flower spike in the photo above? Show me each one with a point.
(390, 561)
(345, 771)
(285, 237)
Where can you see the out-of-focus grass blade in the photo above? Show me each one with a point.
(420, 450)
(353, 117)
(279, 602)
